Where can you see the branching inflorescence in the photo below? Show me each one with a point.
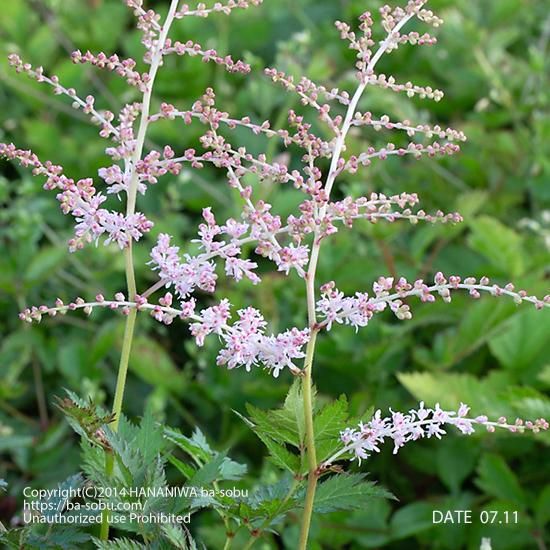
(419, 423)
(292, 244)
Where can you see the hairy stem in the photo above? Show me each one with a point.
(310, 443)
(307, 386)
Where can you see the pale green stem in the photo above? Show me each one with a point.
(310, 443)
(130, 273)
(122, 373)
(313, 474)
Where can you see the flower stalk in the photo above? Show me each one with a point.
(128, 252)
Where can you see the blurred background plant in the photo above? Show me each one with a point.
(493, 62)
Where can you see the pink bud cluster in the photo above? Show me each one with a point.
(310, 93)
(83, 202)
(384, 122)
(148, 22)
(373, 208)
(393, 20)
(358, 310)
(362, 44)
(226, 8)
(192, 49)
(412, 90)
(103, 119)
(391, 17)
(417, 150)
(417, 424)
(205, 111)
(123, 67)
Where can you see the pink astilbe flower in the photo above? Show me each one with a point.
(292, 244)
(358, 310)
(83, 202)
(419, 423)
(245, 343)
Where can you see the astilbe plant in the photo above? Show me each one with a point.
(293, 244)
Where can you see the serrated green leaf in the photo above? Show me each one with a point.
(346, 492)
(56, 503)
(327, 425)
(411, 519)
(502, 246)
(280, 455)
(119, 544)
(196, 446)
(271, 501)
(208, 473)
(278, 425)
(231, 470)
(294, 404)
(178, 536)
(523, 345)
(497, 479)
(185, 469)
(149, 438)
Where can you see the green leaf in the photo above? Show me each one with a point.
(56, 503)
(285, 425)
(542, 507)
(411, 519)
(277, 425)
(456, 458)
(294, 405)
(178, 536)
(346, 492)
(119, 544)
(231, 470)
(502, 246)
(153, 365)
(523, 345)
(208, 473)
(185, 469)
(330, 419)
(270, 501)
(327, 425)
(46, 262)
(196, 446)
(149, 438)
(497, 479)
(280, 455)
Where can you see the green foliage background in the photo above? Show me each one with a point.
(492, 61)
